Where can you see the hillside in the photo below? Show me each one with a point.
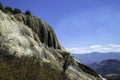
(109, 68)
(29, 50)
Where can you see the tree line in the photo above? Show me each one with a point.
(8, 9)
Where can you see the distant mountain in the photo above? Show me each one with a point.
(96, 57)
(108, 68)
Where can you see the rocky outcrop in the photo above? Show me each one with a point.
(28, 36)
(41, 28)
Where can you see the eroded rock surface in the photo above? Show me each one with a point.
(41, 28)
(25, 35)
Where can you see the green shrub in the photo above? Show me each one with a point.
(27, 12)
(1, 6)
(16, 11)
(67, 60)
(65, 55)
(8, 9)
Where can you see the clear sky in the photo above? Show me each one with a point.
(80, 25)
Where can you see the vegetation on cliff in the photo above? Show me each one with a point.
(11, 10)
(29, 50)
(27, 68)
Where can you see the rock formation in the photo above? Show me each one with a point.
(41, 28)
(29, 42)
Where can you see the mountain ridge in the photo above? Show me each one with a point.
(27, 40)
(96, 57)
(109, 68)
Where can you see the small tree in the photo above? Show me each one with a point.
(9, 9)
(16, 11)
(27, 12)
(1, 6)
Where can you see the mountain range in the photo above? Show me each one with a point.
(96, 57)
(109, 68)
(105, 64)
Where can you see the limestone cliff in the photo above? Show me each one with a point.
(41, 28)
(29, 44)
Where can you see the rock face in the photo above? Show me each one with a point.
(28, 36)
(41, 28)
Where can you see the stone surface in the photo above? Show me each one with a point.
(24, 35)
(41, 28)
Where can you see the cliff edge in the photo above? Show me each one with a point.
(29, 50)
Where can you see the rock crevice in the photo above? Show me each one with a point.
(41, 28)
(29, 36)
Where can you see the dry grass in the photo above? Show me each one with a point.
(27, 68)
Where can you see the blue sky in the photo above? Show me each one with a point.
(79, 24)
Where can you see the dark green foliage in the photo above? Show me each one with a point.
(27, 12)
(67, 60)
(8, 9)
(1, 6)
(16, 11)
(65, 54)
